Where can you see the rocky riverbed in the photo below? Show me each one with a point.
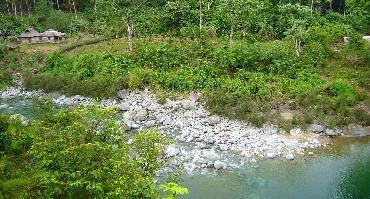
(202, 140)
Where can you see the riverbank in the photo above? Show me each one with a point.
(202, 140)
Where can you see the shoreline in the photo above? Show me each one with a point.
(202, 140)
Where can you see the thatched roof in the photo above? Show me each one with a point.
(30, 32)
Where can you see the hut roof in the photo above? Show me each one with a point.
(30, 32)
(52, 33)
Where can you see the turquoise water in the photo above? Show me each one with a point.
(340, 171)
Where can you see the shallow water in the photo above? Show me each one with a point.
(339, 171)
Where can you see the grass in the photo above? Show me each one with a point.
(100, 68)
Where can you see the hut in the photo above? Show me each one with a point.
(29, 36)
(51, 35)
(32, 36)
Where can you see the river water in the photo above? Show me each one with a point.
(341, 170)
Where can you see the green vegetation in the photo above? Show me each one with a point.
(251, 59)
(78, 153)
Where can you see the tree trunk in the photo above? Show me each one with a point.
(15, 8)
(200, 16)
(311, 6)
(58, 5)
(20, 8)
(74, 7)
(7, 6)
(231, 35)
(130, 31)
(28, 8)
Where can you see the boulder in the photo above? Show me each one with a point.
(124, 107)
(219, 165)
(4, 106)
(188, 105)
(141, 115)
(23, 119)
(122, 94)
(223, 147)
(213, 120)
(316, 128)
(367, 38)
(172, 151)
(333, 132)
(289, 156)
(194, 97)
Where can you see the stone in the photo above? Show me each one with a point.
(23, 119)
(289, 156)
(219, 165)
(223, 147)
(172, 151)
(295, 131)
(124, 107)
(152, 107)
(367, 38)
(141, 115)
(316, 128)
(188, 105)
(122, 94)
(270, 155)
(213, 120)
(346, 40)
(210, 140)
(253, 161)
(333, 132)
(4, 106)
(194, 97)
(150, 124)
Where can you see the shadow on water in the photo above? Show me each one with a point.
(338, 171)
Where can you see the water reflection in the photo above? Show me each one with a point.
(339, 171)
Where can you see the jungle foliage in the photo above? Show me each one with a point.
(79, 153)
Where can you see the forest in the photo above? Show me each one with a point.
(251, 60)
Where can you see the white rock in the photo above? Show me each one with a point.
(141, 115)
(171, 151)
(219, 165)
(289, 156)
(124, 107)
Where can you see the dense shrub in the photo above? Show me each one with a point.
(78, 153)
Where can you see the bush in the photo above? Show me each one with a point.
(343, 92)
(80, 153)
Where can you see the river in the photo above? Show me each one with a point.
(341, 170)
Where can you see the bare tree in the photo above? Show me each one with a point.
(58, 5)
(74, 7)
(130, 32)
(28, 8)
(7, 6)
